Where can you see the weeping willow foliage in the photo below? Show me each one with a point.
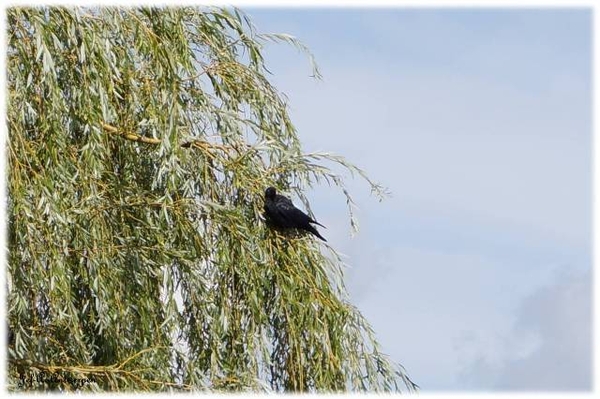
(140, 144)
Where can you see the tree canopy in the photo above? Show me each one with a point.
(140, 142)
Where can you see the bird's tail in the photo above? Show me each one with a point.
(315, 222)
(315, 232)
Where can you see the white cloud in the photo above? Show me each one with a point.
(557, 320)
(463, 321)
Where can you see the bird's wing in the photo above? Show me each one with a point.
(284, 204)
(289, 213)
(299, 216)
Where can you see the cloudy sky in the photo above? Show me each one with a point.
(476, 272)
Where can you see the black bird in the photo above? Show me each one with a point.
(280, 212)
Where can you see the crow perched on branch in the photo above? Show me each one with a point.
(281, 213)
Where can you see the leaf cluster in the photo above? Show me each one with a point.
(140, 143)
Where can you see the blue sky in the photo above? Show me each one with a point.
(476, 273)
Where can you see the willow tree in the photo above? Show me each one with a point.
(140, 143)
